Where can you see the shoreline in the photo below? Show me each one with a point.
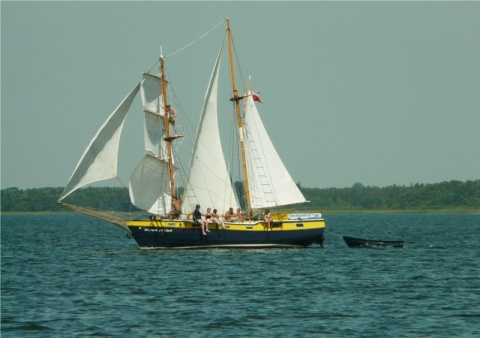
(407, 212)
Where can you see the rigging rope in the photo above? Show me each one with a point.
(333, 233)
(191, 43)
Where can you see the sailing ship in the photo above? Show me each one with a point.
(153, 185)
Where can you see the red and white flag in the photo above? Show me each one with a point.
(256, 97)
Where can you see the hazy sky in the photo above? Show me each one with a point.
(380, 93)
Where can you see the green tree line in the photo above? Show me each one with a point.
(445, 195)
(44, 199)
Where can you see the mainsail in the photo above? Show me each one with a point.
(209, 181)
(99, 161)
(270, 183)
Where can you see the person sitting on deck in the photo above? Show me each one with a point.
(208, 214)
(239, 215)
(197, 217)
(214, 218)
(267, 217)
(229, 215)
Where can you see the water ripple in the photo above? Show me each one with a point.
(63, 276)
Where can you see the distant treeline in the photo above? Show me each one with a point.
(445, 195)
(44, 199)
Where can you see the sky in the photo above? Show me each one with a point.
(378, 93)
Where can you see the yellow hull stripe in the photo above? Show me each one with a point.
(245, 226)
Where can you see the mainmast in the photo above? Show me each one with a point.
(236, 98)
(168, 138)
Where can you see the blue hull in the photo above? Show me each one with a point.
(192, 238)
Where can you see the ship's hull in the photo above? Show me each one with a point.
(186, 235)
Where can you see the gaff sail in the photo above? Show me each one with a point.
(270, 183)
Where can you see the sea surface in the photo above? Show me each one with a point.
(70, 276)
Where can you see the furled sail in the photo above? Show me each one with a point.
(270, 183)
(149, 185)
(99, 161)
(209, 181)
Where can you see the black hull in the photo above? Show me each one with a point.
(192, 238)
(367, 243)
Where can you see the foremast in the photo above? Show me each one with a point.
(236, 99)
(168, 137)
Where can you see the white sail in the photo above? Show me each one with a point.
(152, 97)
(152, 100)
(99, 161)
(149, 186)
(209, 181)
(270, 183)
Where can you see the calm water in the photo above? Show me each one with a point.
(67, 276)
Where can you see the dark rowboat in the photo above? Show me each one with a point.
(368, 243)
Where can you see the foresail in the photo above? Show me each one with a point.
(149, 186)
(270, 183)
(209, 181)
(99, 161)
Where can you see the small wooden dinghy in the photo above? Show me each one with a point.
(369, 243)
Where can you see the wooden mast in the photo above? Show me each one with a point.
(236, 98)
(166, 122)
